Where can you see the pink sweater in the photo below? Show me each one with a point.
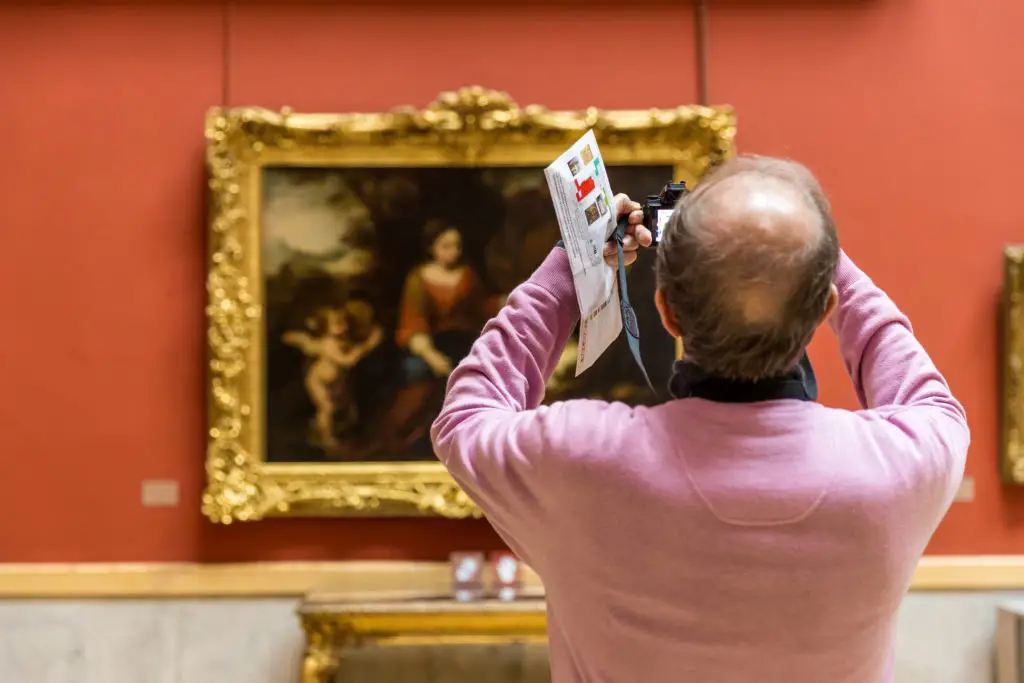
(709, 542)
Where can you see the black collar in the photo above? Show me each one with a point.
(688, 381)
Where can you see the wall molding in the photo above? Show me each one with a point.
(294, 579)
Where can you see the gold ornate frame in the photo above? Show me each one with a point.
(1012, 457)
(471, 127)
(331, 629)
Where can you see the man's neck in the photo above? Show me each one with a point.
(690, 381)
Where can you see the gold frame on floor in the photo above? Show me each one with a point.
(471, 127)
(331, 626)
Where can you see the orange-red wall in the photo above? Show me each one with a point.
(909, 110)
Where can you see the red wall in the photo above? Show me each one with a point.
(892, 102)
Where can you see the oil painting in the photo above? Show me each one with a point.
(377, 283)
(354, 260)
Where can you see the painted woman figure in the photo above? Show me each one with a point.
(444, 306)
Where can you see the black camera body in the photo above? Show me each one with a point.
(659, 207)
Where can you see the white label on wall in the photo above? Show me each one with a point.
(159, 493)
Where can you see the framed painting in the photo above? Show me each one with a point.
(355, 257)
(1012, 456)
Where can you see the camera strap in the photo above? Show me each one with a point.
(629, 322)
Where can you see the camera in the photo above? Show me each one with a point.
(658, 207)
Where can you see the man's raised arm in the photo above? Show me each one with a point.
(500, 445)
(894, 377)
(490, 434)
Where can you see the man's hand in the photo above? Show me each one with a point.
(636, 234)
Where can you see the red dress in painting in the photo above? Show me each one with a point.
(443, 311)
(451, 315)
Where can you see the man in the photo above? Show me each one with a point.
(741, 532)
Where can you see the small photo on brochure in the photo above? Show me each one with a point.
(592, 212)
(602, 204)
(587, 155)
(594, 253)
(574, 165)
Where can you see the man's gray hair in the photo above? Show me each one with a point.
(748, 300)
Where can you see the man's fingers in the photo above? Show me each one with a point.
(627, 259)
(636, 234)
(644, 236)
(636, 226)
(629, 243)
(623, 205)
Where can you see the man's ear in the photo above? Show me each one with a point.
(668, 316)
(830, 306)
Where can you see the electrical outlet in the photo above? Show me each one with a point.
(965, 494)
(159, 493)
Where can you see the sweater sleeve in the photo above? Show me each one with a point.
(498, 445)
(896, 381)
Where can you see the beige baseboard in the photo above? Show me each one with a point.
(969, 573)
(293, 579)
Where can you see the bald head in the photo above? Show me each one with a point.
(746, 265)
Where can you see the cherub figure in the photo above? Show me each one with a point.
(332, 351)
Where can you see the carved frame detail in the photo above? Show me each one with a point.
(331, 630)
